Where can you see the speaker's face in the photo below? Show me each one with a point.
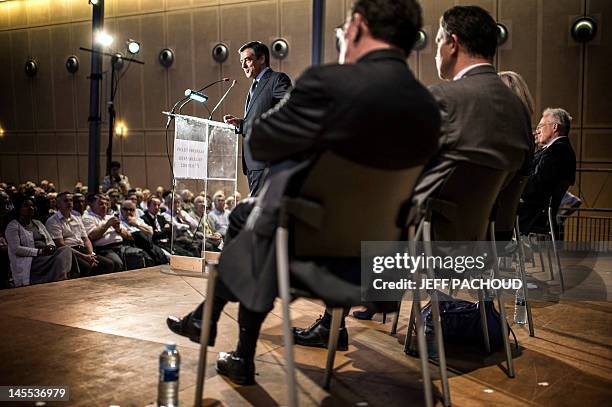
(251, 65)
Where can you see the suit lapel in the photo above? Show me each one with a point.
(260, 85)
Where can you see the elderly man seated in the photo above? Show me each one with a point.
(213, 239)
(66, 229)
(219, 216)
(142, 234)
(109, 238)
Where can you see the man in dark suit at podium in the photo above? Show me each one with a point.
(267, 89)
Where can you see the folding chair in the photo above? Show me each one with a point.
(459, 211)
(315, 226)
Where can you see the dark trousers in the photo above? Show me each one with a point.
(249, 322)
(256, 180)
(104, 266)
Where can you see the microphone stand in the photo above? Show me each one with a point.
(221, 100)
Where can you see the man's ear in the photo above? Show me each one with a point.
(454, 44)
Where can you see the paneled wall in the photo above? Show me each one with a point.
(45, 118)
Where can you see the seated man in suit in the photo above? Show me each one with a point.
(554, 167)
(483, 121)
(370, 110)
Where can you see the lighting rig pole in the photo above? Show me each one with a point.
(93, 166)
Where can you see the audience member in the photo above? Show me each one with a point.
(162, 229)
(377, 38)
(133, 196)
(219, 216)
(213, 239)
(187, 200)
(230, 202)
(116, 180)
(518, 85)
(105, 231)
(142, 234)
(66, 229)
(79, 204)
(146, 193)
(33, 256)
(114, 207)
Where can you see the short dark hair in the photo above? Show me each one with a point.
(259, 49)
(61, 194)
(394, 21)
(115, 164)
(474, 26)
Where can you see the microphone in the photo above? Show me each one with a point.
(188, 97)
(212, 83)
(222, 98)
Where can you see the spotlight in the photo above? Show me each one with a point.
(584, 29)
(117, 61)
(280, 48)
(166, 57)
(103, 39)
(94, 2)
(72, 64)
(421, 41)
(121, 128)
(133, 46)
(1, 131)
(502, 34)
(31, 68)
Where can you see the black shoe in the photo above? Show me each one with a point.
(190, 327)
(317, 336)
(364, 315)
(237, 369)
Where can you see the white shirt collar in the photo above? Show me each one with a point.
(462, 72)
(261, 74)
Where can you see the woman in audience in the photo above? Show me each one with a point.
(33, 256)
(518, 85)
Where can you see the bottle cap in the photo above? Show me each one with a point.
(170, 346)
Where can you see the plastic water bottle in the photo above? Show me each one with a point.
(520, 309)
(168, 387)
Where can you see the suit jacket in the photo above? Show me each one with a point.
(373, 112)
(160, 233)
(483, 122)
(270, 89)
(553, 167)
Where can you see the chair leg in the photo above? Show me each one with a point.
(417, 319)
(205, 334)
(332, 345)
(555, 250)
(550, 265)
(411, 322)
(483, 318)
(521, 269)
(396, 319)
(502, 309)
(282, 264)
(437, 321)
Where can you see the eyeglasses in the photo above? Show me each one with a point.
(542, 125)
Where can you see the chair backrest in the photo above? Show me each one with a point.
(507, 203)
(470, 190)
(555, 201)
(358, 203)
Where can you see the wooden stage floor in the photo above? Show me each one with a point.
(102, 337)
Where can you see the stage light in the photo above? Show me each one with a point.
(121, 128)
(103, 39)
(94, 2)
(280, 48)
(133, 46)
(1, 131)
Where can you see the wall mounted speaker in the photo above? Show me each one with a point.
(421, 41)
(166, 57)
(280, 48)
(72, 64)
(31, 67)
(502, 34)
(220, 52)
(584, 29)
